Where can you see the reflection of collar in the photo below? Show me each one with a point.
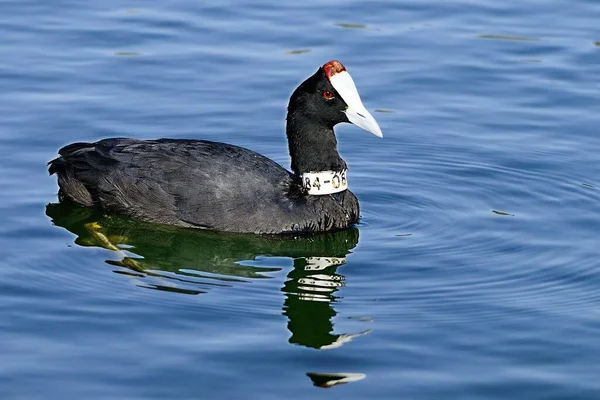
(319, 263)
(319, 287)
(325, 182)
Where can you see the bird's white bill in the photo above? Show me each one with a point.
(362, 118)
(356, 112)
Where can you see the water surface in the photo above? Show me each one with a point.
(474, 270)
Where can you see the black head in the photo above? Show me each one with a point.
(322, 101)
(317, 99)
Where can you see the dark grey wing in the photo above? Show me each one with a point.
(228, 188)
(180, 182)
(99, 174)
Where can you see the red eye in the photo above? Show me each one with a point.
(328, 95)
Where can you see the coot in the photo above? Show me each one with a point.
(219, 186)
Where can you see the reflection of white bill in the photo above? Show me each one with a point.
(343, 339)
(329, 379)
(319, 263)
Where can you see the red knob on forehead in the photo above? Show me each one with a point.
(333, 67)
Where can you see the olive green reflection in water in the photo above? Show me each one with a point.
(509, 37)
(350, 25)
(502, 213)
(127, 53)
(190, 261)
(298, 51)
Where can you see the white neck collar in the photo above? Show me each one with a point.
(325, 182)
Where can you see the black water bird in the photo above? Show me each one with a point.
(218, 186)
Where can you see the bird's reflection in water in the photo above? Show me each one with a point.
(310, 293)
(192, 261)
(330, 379)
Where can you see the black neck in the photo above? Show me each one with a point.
(313, 146)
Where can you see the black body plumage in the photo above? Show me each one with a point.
(211, 185)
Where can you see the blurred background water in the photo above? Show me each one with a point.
(473, 274)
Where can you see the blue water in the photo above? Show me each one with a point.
(473, 274)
